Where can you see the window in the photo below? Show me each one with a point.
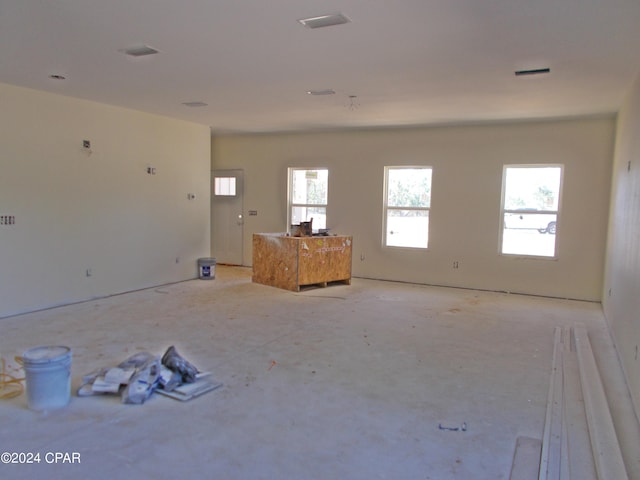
(406, 207)
(530, 207)
(308, 196)
(224, 186)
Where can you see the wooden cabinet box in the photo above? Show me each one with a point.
(291, 262)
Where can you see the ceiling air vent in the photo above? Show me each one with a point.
(195, 104)
(536, 71)
(327, 91)
(140, 51)
(324, 21)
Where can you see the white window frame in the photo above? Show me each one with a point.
(387, 207)
(555, 212)
(291, 204)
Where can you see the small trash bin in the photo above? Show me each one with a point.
(207, 268)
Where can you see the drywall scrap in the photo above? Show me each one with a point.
(143, 374)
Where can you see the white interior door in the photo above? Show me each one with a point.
(227, 221)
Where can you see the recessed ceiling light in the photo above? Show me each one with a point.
(535, 71)
(140, 51)
(324, 20)
(195, 104)
(326, 91)
(55, 76)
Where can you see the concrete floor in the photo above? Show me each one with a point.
(345, 382)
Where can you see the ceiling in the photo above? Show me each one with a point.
(407, 62)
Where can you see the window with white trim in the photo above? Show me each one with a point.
(407, 201)
(308, 196)
(530, 208)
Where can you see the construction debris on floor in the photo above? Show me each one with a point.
(11, 378)
(142, 374)
(453, 427)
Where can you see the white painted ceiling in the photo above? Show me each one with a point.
(408, 62)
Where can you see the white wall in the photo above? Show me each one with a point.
(101, 211)
(467, 174)
(621, 297)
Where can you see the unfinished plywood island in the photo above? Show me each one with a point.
(292, 262)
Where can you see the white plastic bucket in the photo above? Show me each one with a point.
(48, 377)
(207, 268)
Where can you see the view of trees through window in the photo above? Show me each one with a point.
(308, 194)
(408, 200)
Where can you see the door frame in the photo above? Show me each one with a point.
(234, 217)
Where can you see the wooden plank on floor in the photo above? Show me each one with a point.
(526, 459)
(604, 441)
(565, 472)
(550, 458)
(577, 456)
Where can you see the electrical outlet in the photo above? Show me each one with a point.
(456, 265)
(7, 220)
(86, 144)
